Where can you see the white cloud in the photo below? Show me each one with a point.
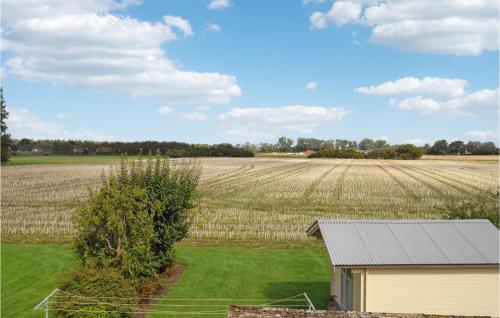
(273, 120)
(212, 27)
(419, 142)
(76, 45)
(482, 134)
(61, 116)
(183, 25)
(26, 9)
(165, 110)
(424, 26)
(417, 103)
(342, 12)
(311, 86)
(26, 124)
(412, 85)
(435, 94)
(194, 116)
(219, 4)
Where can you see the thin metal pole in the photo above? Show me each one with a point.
(311, 306)
(47, 309)
(46, 299)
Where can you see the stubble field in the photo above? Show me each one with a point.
(256, 199)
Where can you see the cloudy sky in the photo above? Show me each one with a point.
(210, 71)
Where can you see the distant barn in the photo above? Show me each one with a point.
(447, 267)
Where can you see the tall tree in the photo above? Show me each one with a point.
(456, 147)
(380, 143)
(284, 144)
(5, 138)
(440, 147)
(366, 144)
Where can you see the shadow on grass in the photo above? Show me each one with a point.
(318, 291)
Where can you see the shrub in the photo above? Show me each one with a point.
(483, 207)
(382, 153)
(171, 189)
(330, 152)
(134, 220)
(408, 152)
(105, 288)
(115, 229)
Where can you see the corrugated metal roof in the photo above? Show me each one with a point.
(409, 242)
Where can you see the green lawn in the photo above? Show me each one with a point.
(31, 271)
(46, 160)
(247, 273)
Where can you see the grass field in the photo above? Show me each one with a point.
(256, 199)
(31, 271)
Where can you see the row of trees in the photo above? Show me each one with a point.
(401, 152)
(458, 147)
(82, 147)
(440, 147)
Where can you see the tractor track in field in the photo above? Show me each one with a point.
(339, 185)
(310, 190)
(420, 180)
(271, 178)
(246, 175)
(398, 181)
(450, 178)
(445, 182)
(223, 177)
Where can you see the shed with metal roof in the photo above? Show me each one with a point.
(413, 266)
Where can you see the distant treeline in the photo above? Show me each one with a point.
(401, 152)
(80, 147)
(333, 148)
(440, 147)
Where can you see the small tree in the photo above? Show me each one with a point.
(5, 138)
(134, 220)
(115, 230)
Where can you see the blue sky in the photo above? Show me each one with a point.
(210, 71)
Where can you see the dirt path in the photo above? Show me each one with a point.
(170, 277)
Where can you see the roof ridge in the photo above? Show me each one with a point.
(403, 221)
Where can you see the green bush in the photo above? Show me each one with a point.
(482, 207)
(408, 152)
(115, 229)
(134, 220)
(171, 189)
(90, 292)
(381, 153)
(330, 152)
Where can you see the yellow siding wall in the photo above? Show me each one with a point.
(433, 290)
(335, 283)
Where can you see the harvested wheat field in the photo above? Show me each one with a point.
(257, 199)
